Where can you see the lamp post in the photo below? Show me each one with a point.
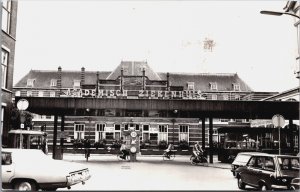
(173, 121)
(297, 24)
(89, 119)
(22, 105)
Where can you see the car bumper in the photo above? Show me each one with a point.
(279, 187)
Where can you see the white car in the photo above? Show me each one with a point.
(31, 169)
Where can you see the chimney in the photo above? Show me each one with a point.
(97, 83)
(144, 79)
(59, 80)
(82, 76)
(168, 84)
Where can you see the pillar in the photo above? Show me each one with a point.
(203, 133)
(290, 135)
(54, 137)
(211, 140)
(62, 129)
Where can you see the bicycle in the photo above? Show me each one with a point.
(120, 153)
(200, 159)
(171, 155)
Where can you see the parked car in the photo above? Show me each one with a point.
(31, 169)
(268, 171)
(295, 184)
(241, 159)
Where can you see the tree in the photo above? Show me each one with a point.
(16, 121)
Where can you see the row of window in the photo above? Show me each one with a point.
(114, 133)
(213, 86)
(76, 84)
(35, 93)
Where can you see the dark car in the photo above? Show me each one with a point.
(295, 184)
(241, 160)
(268, 171)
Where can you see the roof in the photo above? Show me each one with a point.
(133, 68)
(201, 81)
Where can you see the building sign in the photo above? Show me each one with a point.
(146, 94)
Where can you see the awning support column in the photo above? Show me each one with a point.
(54, 137)
(211, 140)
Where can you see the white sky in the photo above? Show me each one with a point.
(97, 35)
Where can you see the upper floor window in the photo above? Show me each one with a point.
(6, 15)
(29, 93)
(225, 97)
(214, 97)
(53, 82)
(236, 87)
(52, 93)
(76, 84)
(213, 86)
(191, 86)
(236, 97)
(4, 63)
(30, 82)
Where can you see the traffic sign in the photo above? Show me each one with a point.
(278, 120)
(22, 104)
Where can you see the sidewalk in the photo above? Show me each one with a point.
(146, 158)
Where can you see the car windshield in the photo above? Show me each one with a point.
(242, 158)
(289, 163)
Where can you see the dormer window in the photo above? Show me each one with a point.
(213, 86)
(53, 83)
(236, 87)
(190, 85)
(30, 82)
(76, 84)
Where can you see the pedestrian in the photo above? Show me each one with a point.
(45, 144)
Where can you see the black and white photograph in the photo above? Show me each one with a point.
(150, 95)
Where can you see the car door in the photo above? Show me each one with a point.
(268, 171)
(7, 167)
(247, 174)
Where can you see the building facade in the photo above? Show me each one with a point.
(8, 42)
(131, 80)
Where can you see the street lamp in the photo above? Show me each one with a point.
(22, 105)
(278, 13)
(173, 121)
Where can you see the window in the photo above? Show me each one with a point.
(79, 131)
(214, 97)
(4, 63)
(52, 93)
(236, 87)
(29, 93)
(145, 127)
(117, 131)
(225, 97)
(40, 93)
(213, 86)
(53, 83)
(30, 82)
(163, 132)
(153, 138)
(2, 118)
(190, 86)
(236, 97)
(100, 132)
(6, 14)
(269, 164)
(183, 133)
(76, 84)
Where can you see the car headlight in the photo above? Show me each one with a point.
(284, 180)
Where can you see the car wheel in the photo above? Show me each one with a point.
(241, 184)
(25, 186)
(263, 187)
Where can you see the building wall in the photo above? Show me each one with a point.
(8, 41)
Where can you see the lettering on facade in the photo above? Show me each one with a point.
(145, 94)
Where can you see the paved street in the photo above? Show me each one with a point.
(152, 173)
